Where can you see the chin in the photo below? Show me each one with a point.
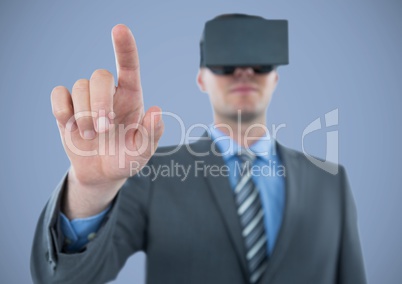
(244, 116)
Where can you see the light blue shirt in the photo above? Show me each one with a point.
(78, 232)
(268, 176)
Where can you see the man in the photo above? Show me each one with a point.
(225, 221)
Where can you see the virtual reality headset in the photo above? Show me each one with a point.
(244, 40)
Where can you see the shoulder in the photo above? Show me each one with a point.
(309, 165)
(165, 154)
(203, 148)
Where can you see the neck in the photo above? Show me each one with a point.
(243, 133)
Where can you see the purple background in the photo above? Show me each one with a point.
(343, 54)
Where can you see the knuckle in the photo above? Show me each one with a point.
(63, 115)
(81, 85)
(100, 106)
(83, 115)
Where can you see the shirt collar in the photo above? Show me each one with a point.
(229, 148)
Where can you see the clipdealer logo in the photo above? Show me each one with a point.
(115, 144)
(330, 164)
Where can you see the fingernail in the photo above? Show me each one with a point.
(103, 124)
(89, 134)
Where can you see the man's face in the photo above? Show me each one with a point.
(243, 91)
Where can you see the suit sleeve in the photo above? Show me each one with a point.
(350, 266)
(78, 232)
(122, 233)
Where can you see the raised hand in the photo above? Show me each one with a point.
(104, 130)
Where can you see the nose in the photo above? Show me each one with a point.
(244, 71)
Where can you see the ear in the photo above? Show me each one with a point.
(276, 77)
(200, 80)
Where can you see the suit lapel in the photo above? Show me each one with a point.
(223, 196)
(222, 193)
(293, 181)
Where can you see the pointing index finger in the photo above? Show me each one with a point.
(127, 61)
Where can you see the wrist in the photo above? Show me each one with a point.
(85, 200)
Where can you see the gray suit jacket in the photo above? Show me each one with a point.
(190, 230)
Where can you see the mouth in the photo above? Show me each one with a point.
(243, 89)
